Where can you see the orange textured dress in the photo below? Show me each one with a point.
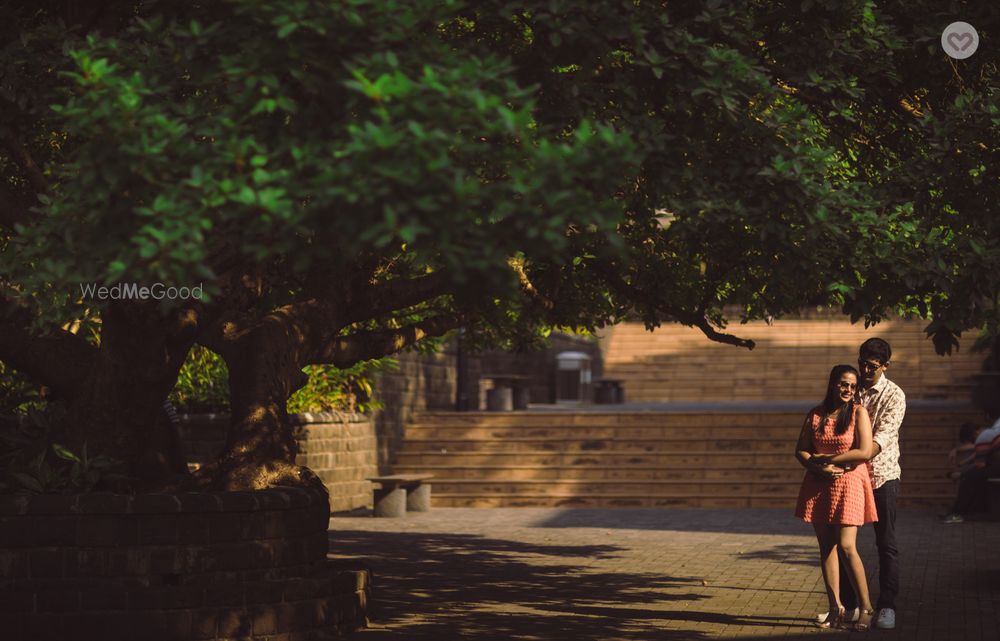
(847, 500)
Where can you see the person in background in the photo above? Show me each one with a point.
(973, 485)
(961, 457)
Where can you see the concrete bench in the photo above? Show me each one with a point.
(398, 494)
(509, 392)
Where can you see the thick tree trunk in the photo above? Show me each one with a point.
(264, 371)
(118, 410)
(266, 357)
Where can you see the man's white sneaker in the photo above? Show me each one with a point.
(886, 619)
(851, 616)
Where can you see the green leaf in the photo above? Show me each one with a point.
(64, 453)
(287, 29)
(246, 195)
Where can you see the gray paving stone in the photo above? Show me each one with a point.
(553, 574)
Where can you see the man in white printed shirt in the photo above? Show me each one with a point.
(886, 405)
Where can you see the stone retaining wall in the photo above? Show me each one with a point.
(223, 565)
(340, 448)
(422, 381)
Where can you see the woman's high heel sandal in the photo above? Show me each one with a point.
(832, 620)
(864, 620)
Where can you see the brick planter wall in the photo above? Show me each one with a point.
(340, 448)
(423, 381)
(221, 565)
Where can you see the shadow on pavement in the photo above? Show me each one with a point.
(459, 586)
(794, 553)
(777, 521)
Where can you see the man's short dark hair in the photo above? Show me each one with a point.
(876, 348)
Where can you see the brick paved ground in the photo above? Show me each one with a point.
(523, 573)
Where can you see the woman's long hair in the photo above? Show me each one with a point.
(832, 400)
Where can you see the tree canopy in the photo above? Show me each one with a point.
(347, 179)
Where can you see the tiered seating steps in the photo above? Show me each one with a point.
(628, 458)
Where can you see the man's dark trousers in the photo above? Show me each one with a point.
(973, 492)
(888, 552)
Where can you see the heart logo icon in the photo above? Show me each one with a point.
(960, 41)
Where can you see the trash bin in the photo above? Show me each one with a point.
(608, 391)
(500, 399)
(572, 382)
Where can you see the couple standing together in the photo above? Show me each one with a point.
(849, 446)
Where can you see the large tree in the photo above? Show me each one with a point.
(346, 179)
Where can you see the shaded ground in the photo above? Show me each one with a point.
(526, 573)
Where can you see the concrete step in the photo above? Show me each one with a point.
(658, 445)
(642, 432)
(654, 488)
(573, 432)
(720, 417)
(688, 455)
(788, 503)
(703, 459)
(643, 472)
(598, 473)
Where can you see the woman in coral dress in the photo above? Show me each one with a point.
(836, 494)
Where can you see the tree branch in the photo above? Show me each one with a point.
(344, 351)
(374, 301)
(231, 316)
(528, 287)
(719, 337)
(59, 360)
(683, 316)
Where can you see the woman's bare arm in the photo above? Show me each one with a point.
(805, 454)
(804, 446)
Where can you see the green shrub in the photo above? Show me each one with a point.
(202, 386)
(33, 461)
(346, 390)
(17, 392)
